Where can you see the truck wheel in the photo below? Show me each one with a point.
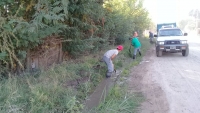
(158, 52)
(185, 52)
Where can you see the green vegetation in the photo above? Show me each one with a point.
(192, 23)
(118, 102)
(57, 89)
(88, 28)
(85, 26)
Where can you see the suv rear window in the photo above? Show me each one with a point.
(170, 32)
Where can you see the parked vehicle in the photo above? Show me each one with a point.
(166, 25)
(171, 40)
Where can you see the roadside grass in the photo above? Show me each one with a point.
(64, 87)
(50, 91)
(119, 101)
(38, 95)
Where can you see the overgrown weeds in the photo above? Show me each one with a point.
(64, 87)
(119, 101)
(60, 89)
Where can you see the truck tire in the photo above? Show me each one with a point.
(158, 52)
(185, 52)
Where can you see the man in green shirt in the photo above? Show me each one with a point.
(136, 44)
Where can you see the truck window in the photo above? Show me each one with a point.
(170, 32)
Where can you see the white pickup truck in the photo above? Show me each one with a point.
(171, 40)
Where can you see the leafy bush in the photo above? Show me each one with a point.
(119, 40)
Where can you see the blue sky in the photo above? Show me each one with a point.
(166, 11)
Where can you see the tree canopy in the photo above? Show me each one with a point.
(89, 24)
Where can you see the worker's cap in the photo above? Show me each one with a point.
(120, 47)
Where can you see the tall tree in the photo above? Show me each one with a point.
(196, 14)
(21, 8)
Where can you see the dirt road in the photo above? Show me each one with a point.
(171, 83)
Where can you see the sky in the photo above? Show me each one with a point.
(165, 11)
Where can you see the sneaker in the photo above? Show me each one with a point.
(133, 57)
(140, 53)
(108, 74)
(114, 71)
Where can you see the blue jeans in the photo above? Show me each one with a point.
(109, 64)
(136, 50)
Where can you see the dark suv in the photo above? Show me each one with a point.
(171, 40)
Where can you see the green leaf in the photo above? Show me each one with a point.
(65, 2)
(57, 9)
(57, 3)
(47, 16)
(31, 29)
(3, 55)
(22, 54)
